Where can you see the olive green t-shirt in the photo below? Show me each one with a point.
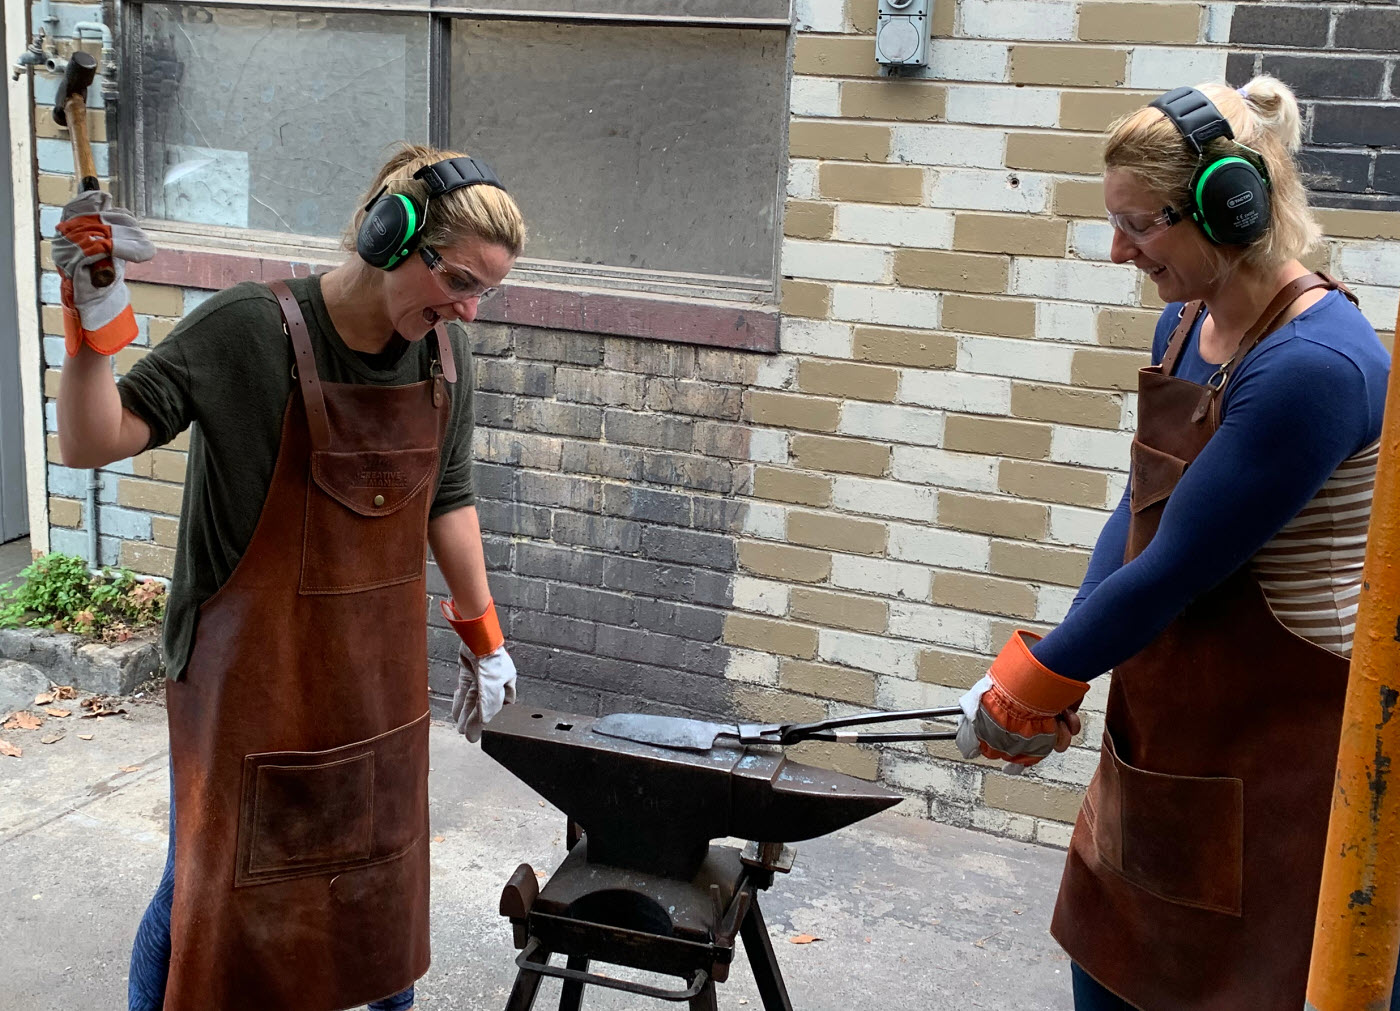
(225, 372)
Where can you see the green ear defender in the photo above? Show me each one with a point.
(393, 223)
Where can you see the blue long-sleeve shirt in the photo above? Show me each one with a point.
(1308, 397)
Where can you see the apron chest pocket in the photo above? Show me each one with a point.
(1180, 838)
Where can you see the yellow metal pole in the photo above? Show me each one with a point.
(1356, 938)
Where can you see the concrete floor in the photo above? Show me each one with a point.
(14, 555)
(911, 915)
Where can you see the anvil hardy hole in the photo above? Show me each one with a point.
(537, 716)
(563, 726)
(614, 907)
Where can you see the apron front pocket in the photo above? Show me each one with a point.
(1181, 838)
(1155, 475)
(366, 513)
(318, 812)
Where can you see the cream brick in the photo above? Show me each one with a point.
(991, 105)
(790, 410)
(997, 437)
(1082, 198)
(815, 96)
(1009, 233)
(808, 299)
(1116, 370)
(851, 759)
(159, 329)
(875, 653)
(165, 531)
(1091, 448)
(1088, 408)
(894, 226)
(881, 184)
(147, 558)
(156, 299)
(854, 382)
(834, 261)
(792, 486)
(923, 465)
(883, 498)
(843, 456)
(802, 179)
(956, 391)
(941, 144)
(1095, 110)
(813, 337)
(1017, 19)
(876, 575)
(944, 626)
(771, 636)
(887, 306)
(1164, 67)
(1001, 356)
(1092, 240)
(1055, 152)
(828, 682)
(985, 594)
(761, 595)
(761, 706)
(952, 59)
(844, 141)
(65, 512)
(997, 516)
(891, 424)
(906, 347)
(1126, 328)
(1076, 527)
(783, 562)
(1029, 796)
(952, 669)
(838, 533)
(848, 56)
(1054, 833)
(839, 610)
(819, 15)
(752, 667)
(149, 496)
(1052, 603)
(1061, 566)
(168, 466)
(1048, 482)
(1069, 322)
(1157, 23)
(1075, 66)
(1003, 317)
(893, 100)
(804, 219)
(949, 549)
(861, 17)
(982, 190)
(1349, 224)
(948, 271)
(1089, 282)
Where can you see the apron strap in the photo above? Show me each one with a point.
(307, 377)
(1189, 314)
(445, 359)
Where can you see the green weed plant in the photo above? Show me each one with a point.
(59, 592)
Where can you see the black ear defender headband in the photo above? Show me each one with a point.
(1229, 194)
(393, 223)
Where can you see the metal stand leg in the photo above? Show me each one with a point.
(705, 1000)
(572, 997)
(527, 985)
(764, 962)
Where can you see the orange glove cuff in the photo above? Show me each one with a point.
(482, 635)
(105, 340)
(1028, 682)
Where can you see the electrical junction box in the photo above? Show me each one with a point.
(902, 33)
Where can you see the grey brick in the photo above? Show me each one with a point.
(593, 386)
(590, 604)
(442, 683)
(514, 518)
(702, 473)
(714, 438)
(525, 449)
(1356, 201)
(577, 420)
(705, 400)
(700, 623)
(1387, 177)
(720, 514)
(1328, 76)
(496, 410)
(443, 644)
(1373, 28)
(646, 504)
(675, 582)
(1272, 24)
(673, 544)
(498, 550)
(1241, 67)
(490, 338)
(660, 650)
(720, 365)
(1356, 125)
(654, 358)
(565, 491)
(597, 532)
(518, 591)
(622, 463)
(656, 431)
(558, 346)
(559, 697)
(551, 561)
(491, 480)
(1336, 171)
(630, 687)
(553, 630)
(513, 376)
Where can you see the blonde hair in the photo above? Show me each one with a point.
(1264, 115)
(481, 212)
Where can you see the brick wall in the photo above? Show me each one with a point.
(863, 518)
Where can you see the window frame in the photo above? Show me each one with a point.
(716, 310)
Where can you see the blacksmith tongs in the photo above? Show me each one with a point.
(698, 735)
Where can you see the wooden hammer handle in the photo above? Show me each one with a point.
(102, 273)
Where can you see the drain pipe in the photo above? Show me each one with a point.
(94, 554)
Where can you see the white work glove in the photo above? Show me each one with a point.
(485, 684)
(90, 230)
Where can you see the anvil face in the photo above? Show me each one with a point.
(656, 809)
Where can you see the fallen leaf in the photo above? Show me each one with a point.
(23, 720)
(61, 693)
(9, 750)
(102, 712)
(55, 711)
(540, 875)
(43, 698)
(84, 737)
(803, 939)
(129, 768)
(438, 838)
(51, 739)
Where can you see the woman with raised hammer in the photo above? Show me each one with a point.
(1222, 592)
(331, 441)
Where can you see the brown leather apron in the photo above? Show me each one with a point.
(1192, 876)
(299, 735)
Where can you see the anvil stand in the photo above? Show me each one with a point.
(593, 912)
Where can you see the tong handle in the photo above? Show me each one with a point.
(855, 737)
(802, 731)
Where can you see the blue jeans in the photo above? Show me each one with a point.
(1090, 995)
(150, 955)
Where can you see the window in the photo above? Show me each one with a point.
(644, 139)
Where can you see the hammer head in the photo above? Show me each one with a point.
(77, 78)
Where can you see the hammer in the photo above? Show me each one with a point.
(70, 110)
